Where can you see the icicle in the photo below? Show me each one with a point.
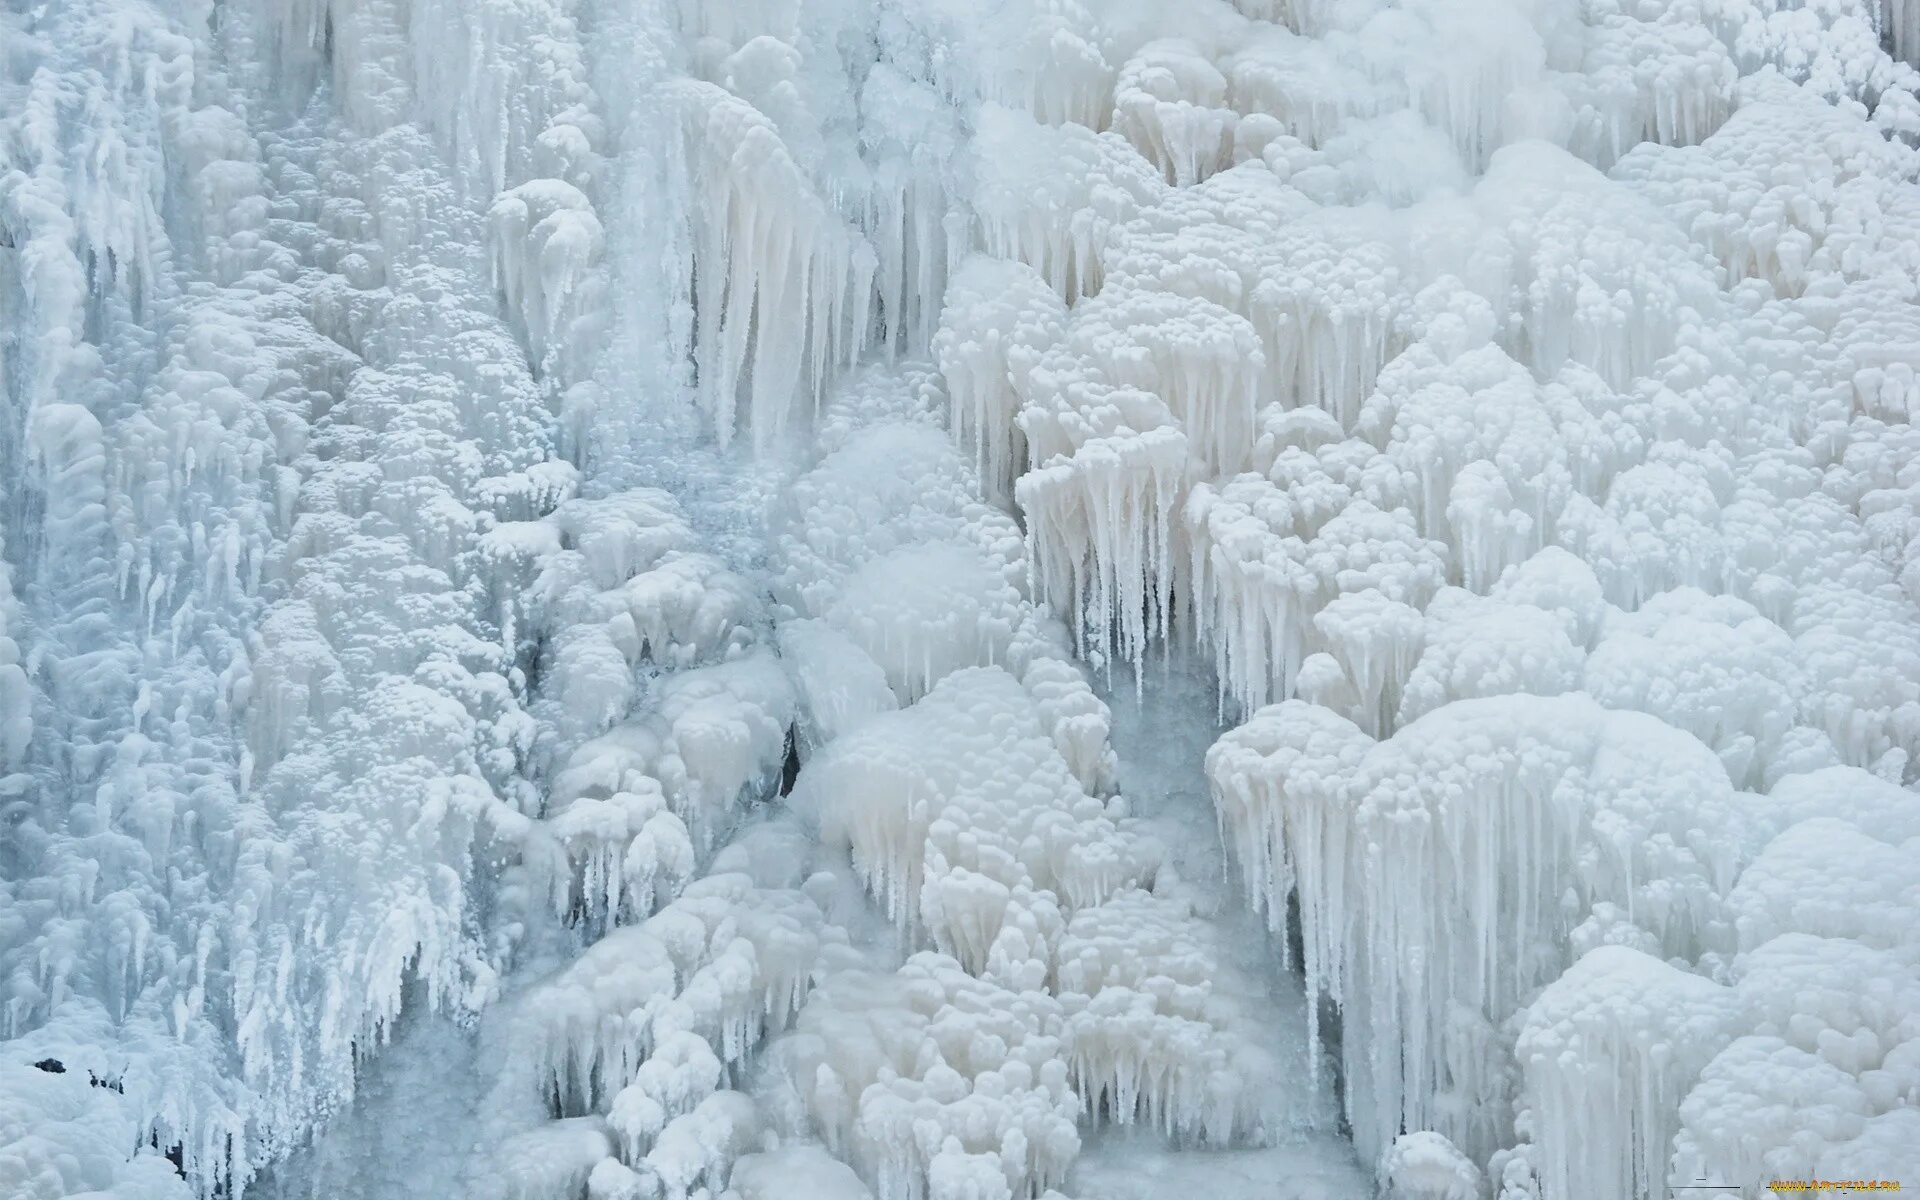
(1608, 1050)
(765, 246)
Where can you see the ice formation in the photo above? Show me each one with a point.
(600, 528)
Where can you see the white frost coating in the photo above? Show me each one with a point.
(906, 791)
(698, 1148)
(1426, 1166)
(1150, 1039)
(1766, 1110)
(1482, 647)
(1528, 634)
(680, 1073)
(1828, 1075)
(54, 1129)
(1712, 666)
(376, 623)
(1783, 191)
(840, 688)
(798, 1170)
(1051, 196)
(1311, 85)
(930, 1063)
(1851, 1004)
(556, 1158)
(1396, 843)
(893, 485)
(707, 740)
(1824, 877)
(927, 610)
(1608, 1050)
(1826, 982)
(722, 964)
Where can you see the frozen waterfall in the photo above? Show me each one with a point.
(958, 599)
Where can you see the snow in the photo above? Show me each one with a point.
(648, 600)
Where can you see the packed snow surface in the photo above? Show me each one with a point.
(958, 599)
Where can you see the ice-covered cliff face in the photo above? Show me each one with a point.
(675, 560)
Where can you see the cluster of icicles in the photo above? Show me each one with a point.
(1515, 404)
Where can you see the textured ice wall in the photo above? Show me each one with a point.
(461, 461)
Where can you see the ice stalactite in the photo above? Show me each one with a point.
(1620, 1025)
(903, 467)
(764, 244)
(709, 736)
(1327, 310)
(667, 716)
(1594, 806)
(1151, 1042)
(999, 317)
(911, 819)
(839, 686)
(1638, 80)
(1305, 85)
(1170, 101)
(1784, 1070)
(1533, 394)
(1464, 73)
(908, 1073)
(635, 1042)
(717, 966)
(1031, 207)
(610, 584)
(327, 422)
(146, 417)
(1900, 25)
(446, 711)
(1101, 526)
(1490, 488)
(1104, 425)
(916, 146)
(967, 814)
(581, 516)
(1267, 559)
(1746, 190)
(547, 240)
(1203, 361)
(644, 780)
(1592, 287)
